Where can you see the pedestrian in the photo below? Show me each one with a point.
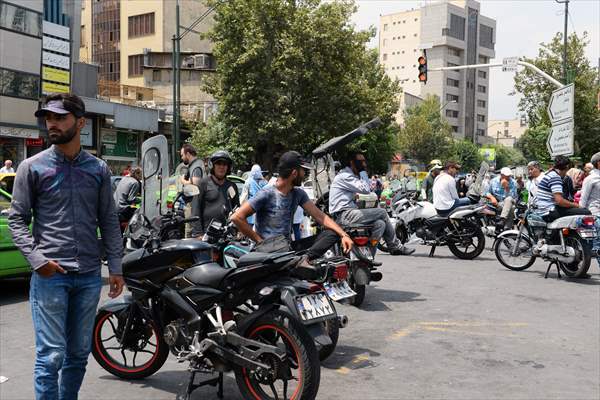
(427, 191)
(253, 185)
(69, 192)
(127, 193)
(7, 169)
(461, 187)
(126, 171)
(193, 175)
(217, 197)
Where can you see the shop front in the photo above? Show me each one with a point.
(119, 150)
(13, 145)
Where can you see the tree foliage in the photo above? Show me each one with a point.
(537, 90)
(533, 143)
(467, 154)
(426, 134)
(292, 74)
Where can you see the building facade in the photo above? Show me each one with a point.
(452, 33)
(506, 131)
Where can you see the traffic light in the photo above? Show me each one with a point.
(422, 69)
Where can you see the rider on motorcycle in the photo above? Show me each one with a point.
(503, 194)
(534, 175)
(126, 194)
(342, 205)
(550, 201)
(590, 192)
(445, 195)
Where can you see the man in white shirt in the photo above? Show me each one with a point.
(7, 169)
(445, 196)
(535, 175)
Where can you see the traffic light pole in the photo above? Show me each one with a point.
(492, 65)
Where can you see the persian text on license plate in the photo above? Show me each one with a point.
(314, 306)
(339, 290)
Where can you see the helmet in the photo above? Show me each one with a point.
(220, 155)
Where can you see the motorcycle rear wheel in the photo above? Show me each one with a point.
(279, 329)
(333, 331)
(475, 232)
(583, 251)
(503, 247)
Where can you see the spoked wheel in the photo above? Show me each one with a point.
(516, 259)
(471, 242)
(137, 354)
(298, 377)
(583, 255)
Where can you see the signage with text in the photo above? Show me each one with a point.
(55, 75)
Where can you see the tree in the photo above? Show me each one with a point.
(508, 156)
(425, 135)
(533, 143)
(537, 90)
(467, 154)
(292, 74)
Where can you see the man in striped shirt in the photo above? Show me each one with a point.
(550, 201)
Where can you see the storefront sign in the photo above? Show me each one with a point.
(25, 133)
(55, 60)
(86, 134)
(55, 75)
(39, 142)
(52, 29)
(56, 45)
(126, 146)
(49, 87)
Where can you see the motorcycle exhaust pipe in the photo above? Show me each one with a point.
(342, 321)
(376, 276)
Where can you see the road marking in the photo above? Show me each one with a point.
(456, 327)
(343, 370)
(474, 324)
(360, 358)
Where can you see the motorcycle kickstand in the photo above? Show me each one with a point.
(557, 270)
(218, 381)
(432, 251)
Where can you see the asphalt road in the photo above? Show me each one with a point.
(433, 328)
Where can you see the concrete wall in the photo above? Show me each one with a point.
(85, 48)
(189, 11)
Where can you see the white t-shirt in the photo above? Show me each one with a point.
(444, 191)
(532, 187)
(5, 170)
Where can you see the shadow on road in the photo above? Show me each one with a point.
(14, 290)
(446, 257)
(377, 297)
(175, 382)
(552, 275)
(350, 357)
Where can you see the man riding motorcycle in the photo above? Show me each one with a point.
(590, 192)
(534, 175)
(445, 195)
(342, 206)
(503, 194)
(126, 194)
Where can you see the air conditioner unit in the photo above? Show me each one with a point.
(189, 62)
(202, 61)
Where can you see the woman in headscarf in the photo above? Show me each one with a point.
(254, 184)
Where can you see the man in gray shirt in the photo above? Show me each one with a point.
(126, 194)
(354, 180)
(67, 193)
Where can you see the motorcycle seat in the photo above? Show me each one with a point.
(206, 274)
(436, 219)
(259, 258)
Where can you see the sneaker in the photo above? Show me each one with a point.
(305, 270)
(401, 251)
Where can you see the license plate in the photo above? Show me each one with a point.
(313, 306)
(339, 290)
(365, 252)
(587, 233)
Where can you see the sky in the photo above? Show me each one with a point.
(521, 26)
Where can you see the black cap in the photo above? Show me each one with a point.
(293, 160)
(64, 104)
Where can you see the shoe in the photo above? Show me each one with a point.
(305, 270)
(401, 251)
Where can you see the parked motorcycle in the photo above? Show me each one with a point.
(215, 319)
(565, 242)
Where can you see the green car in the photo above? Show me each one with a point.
(12, 262)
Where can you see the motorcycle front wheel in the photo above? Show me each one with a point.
(142, 342)
(583, 254)
(523, 257)
(298, 377)
(471, 243)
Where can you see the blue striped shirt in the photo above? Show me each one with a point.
(550, 184)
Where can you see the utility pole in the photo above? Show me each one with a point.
(566, 3)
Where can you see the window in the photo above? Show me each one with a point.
(481, 103)
(452, 113)
(451, 97)
(20, 19)
(156, 75)
(483, 59)
(416, 19)
(19, 84)
(480, 118)
(82, 36)
(385, 27)
(481, 89)
(486, 36)
(454, 128)
(384, 42)
(480, 132)
(452, 82)
(482, 74)
(139, 96)
(506, 124)
(403, 21)
(403, 36)
(506, 133)
(141, 25)
(457, 28)
(385, 56)
(415, 35)
(136, 65)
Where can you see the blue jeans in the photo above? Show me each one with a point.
(63, 308)
(297, 233)
(457, 203)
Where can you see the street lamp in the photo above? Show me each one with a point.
(448, 102)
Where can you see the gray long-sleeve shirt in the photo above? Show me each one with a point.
(68, 200)
(590, 192)
(343, 188)
(126, 192)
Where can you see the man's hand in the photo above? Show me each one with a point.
(116, 284)
(50, 269)
(347, 243)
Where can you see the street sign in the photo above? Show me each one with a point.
(509, 64)
(560, 108)
(561, 139)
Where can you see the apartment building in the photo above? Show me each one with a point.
(131, 41)
(453, 32)
(506, 131)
